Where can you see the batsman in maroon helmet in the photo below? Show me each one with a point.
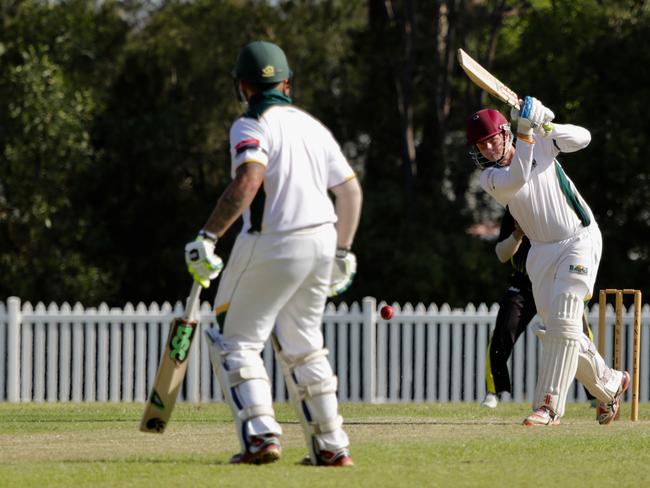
(565, 247)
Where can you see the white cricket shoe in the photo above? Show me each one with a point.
(490, 401)
(542, 416)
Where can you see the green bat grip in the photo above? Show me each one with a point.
(548, 127)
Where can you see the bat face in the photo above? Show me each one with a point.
(180, 339)
(172, 367)
(170, 376)
(486, 80)
(489, 83)
(506, 94)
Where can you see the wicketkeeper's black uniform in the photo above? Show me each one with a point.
(516, 310)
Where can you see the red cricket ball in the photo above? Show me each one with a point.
(386, 312)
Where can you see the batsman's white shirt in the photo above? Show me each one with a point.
(565, 252)
(302, 159)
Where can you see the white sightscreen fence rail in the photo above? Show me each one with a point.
(423, 354)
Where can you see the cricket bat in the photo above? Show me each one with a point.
(172, 367)
(490, 83)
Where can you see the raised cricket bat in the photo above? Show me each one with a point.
(490, 83)
(486, 80)
(172, 367)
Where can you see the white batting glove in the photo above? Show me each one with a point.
(532, 116)
(202, 263)
(343, 271)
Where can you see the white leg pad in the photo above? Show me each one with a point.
(246, 388)
(312, 391)
(599, 379)
(560, 355)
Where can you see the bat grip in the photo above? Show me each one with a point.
(192, 300)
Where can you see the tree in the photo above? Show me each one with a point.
(48, 102)
(599, 83)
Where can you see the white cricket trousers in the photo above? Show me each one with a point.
(568, 266)
(277, 280)
(279, 283)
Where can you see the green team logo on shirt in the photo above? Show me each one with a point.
(578, 269)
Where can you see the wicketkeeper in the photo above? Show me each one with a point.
(293, 250)
(566, 244)
(516, 310)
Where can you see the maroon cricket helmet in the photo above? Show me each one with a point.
(484, 124)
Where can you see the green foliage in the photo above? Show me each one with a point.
(49, 84)
(599, 83)
(114, 120)
(46, 151)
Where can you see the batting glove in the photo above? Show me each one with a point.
(202, 263)
(343, 271)
(532, 116)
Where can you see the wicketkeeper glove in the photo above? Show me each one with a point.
(343, 271)
(202, 263)
(532, 116)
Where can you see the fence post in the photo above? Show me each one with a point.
(369, 349)
(13, 349)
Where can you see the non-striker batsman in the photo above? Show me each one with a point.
(293, 250)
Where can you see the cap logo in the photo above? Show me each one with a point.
(268, 71)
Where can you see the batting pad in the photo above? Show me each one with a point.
(601, 381)
(598, 378)
(561, 350)
(557, 371)
(312, 391)
(566, 316)
(246, 388)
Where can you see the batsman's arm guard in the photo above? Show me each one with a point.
(313, 415)
(246, 389)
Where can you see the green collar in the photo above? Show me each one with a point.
(260, 103)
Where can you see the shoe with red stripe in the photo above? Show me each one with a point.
(606, 413)
(542, 416)
(263, 450)
(339, 458)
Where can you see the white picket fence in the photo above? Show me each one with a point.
(63, 353)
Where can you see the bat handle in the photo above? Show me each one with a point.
(548, 128)
(193, 300)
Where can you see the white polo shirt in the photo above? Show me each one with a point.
(302, 160)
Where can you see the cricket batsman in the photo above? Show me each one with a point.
(293, 250)
(565, 250)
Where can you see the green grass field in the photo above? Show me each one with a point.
(405, 445)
